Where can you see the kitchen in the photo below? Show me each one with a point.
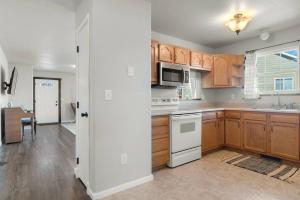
(242, 98)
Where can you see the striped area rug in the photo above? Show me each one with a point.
(263, 165)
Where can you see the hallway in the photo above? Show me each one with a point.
(41, 169)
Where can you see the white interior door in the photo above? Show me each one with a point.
(47, 101)
(83, 101)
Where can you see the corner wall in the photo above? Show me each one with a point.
(121, 38)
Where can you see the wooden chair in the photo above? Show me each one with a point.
(29, 122)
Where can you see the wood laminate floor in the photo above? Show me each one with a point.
(41, 169)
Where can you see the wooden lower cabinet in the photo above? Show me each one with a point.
(160, 141)
(221, 132)
(212, 131)
(255, 136)
(233, 133)
(209, 135)
(284, 140)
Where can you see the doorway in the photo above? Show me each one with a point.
(83, 88)
(47, 100)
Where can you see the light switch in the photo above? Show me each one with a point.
(130, 71)
(108, 95)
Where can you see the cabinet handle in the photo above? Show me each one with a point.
(264, 128)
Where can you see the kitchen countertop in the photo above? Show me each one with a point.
(158, 112)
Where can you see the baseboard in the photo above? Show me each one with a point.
(68, 121)
(111, 191)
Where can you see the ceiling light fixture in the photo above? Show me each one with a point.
(238, 22)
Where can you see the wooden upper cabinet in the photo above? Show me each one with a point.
(284, 140)
(208, 61)
(221, 71)
(166, 53)
(196, 59)
(255, 136)
(238, 60)
(233, 133)
(182, 56)
(154, 60)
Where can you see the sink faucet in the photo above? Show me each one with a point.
(278, 100)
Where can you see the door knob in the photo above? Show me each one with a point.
(84, 114)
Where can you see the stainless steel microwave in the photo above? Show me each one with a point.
(173, 74)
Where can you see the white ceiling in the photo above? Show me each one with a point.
(39, 33)
(202, 21)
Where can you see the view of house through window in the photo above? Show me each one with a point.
(278, 71)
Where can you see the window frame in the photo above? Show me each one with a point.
(283, 84)
(279, 50)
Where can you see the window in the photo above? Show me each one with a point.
(193, 89)
(278, 71)
(284, 84)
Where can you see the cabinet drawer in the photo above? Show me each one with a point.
(292, 119)
(233, 114)
(220, 114)
(160, 121)
(209, 115)
(160, 132)
(255, 116)
(160, 158)
(160, 144)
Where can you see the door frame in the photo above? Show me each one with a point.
(59, 97)
(85, 21)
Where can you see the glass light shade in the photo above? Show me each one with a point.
(238, 23)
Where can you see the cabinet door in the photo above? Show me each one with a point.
(154, 60)
(196, 59)
(221, 132)
(255, 136)
(284, 140)
(166, 53)
(233, 133)
(208, 61)
(221, 71)
(182, 56)
(209, 135)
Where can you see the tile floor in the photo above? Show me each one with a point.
(212, 179)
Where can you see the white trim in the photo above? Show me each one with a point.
(125, 186)
(76, 172)
(68, 121)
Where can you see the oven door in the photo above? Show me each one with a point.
(171, 74)
(185, 132)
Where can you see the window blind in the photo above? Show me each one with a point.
(250, 90)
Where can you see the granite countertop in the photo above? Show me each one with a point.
(198, 110)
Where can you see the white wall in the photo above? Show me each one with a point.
(208, 95)
(23, 96)
(122, 38)
(234, 97)
(3, 77)
(68, 91)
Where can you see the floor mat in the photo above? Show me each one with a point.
(264, 165)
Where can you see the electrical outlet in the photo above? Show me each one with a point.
(123, 159)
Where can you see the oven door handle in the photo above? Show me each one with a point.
(176, 118)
